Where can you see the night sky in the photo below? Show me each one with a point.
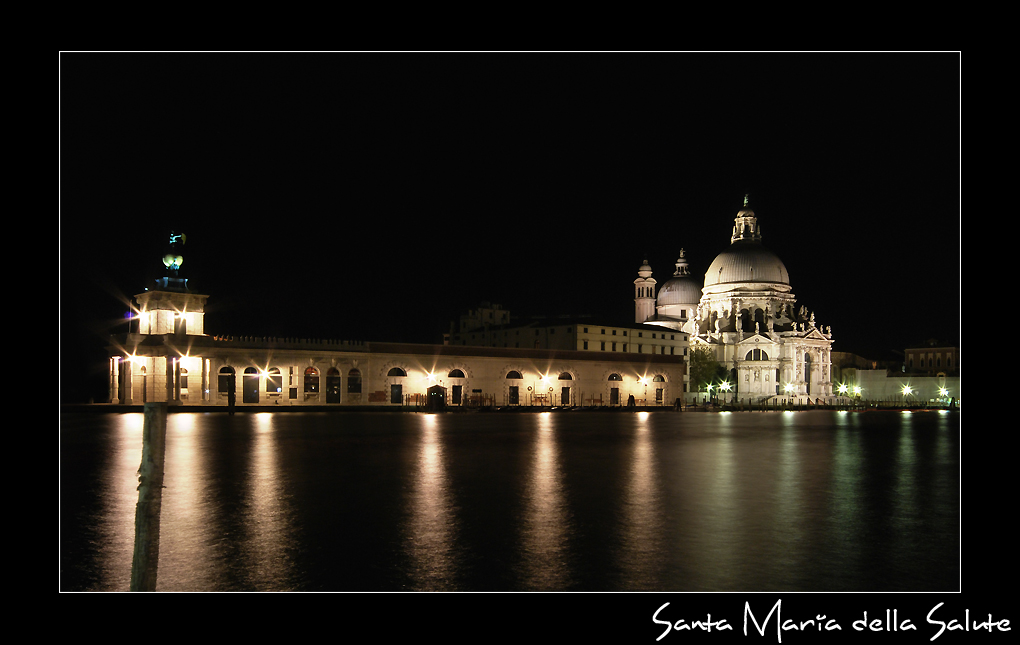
(377, 196)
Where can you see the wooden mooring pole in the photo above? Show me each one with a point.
(150, 498)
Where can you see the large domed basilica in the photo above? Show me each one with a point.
(745, 313)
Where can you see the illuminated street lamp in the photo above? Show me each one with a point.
(725, 386)
(907, 390)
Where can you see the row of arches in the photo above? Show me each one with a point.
(274, 384)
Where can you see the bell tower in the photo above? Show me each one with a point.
(644, 294)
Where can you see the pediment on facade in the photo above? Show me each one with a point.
(813, 334)
(755, 340)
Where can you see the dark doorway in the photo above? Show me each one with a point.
(456, 393)
(396, 393)
(250, 386)
(332, 385)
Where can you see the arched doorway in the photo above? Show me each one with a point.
(354, 382)
(565, 389)
(332, 385)
(311, 383)
(225, 380)
(250, 385)
(614, 390)
(396, 389)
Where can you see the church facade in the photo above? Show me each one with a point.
(745, 313)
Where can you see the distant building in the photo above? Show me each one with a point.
(746, 314)
(933, 359)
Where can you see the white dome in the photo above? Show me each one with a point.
(680, 290)
(746, 262)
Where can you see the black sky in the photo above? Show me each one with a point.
(375, 196)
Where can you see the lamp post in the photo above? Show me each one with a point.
(709, 392)
(725, 387)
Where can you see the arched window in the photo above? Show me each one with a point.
(354, 382)
(659, 378)
(311, 380)
(184, 378)
(455, 373)
(615, 377)
(756, 355)
(565, 376)
(513, 374)
(274, 381)
(396, 371)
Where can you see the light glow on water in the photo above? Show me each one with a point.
(775, 501)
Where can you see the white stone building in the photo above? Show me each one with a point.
(746, 314)
(167, 356)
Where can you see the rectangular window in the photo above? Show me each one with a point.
(586, 344)
(603, 345)
(614, 347)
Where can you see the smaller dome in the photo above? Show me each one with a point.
(645, 271)
(680, 290)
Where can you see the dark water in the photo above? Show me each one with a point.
(661, 501)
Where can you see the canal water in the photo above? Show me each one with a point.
(560, 501)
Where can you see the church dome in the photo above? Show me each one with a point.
(746, 262)
(680, 290)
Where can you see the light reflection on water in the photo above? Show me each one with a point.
(545, 529)
(432, 522)
(551, 501)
